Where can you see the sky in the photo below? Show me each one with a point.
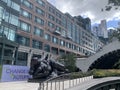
(94, 9)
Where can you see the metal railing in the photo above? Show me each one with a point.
(62, 82)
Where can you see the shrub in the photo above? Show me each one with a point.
(105, 73)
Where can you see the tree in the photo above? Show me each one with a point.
(116, 34)
(117, 65)
(69, 61)
(111, 4)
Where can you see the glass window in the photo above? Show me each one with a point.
(13, 5)
(22, 40)
(8, 33)
(47, 37)
(11, 19)
(38, 32)
(47, 48)
(51, 25)
(24, 26)
(40, 11)
(58, 21)
(26, 14)
(37, 44)
(51, 17)
(14, 20)
(58, 28)
(51, 10)
(62, 43)
(27, 3)
(1, 13)
(41, 3)
(39, 21)
(4, 1)
(58, 15)
(63, 33)
(22, 58)
(54, 50)
(55, 40)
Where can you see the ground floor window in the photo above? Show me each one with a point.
(22, 58)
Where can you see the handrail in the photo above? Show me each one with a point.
(62, 82)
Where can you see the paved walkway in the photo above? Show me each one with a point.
(92, 82)
(21, 85)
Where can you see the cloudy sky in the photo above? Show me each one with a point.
(89, 8)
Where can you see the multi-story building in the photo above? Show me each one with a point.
(104, 28)
(95, 31)
(83, 22)
(37, 26)
(101, 30)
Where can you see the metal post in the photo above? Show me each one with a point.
(55, 84)
(43, 85)
(76, 81)
(47, 85)
(51, 86)
(63, 83)
(59, 84)
(39, 86)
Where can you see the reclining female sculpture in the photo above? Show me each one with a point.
(44, 68)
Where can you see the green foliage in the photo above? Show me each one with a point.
(105, 73)
(112, 4)
(69, 61)
(116, 34)
(117, 65)
(79, 75)
(97, 73)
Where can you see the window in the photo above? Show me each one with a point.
(51, 10)
(58, 15)
(47, 37)
(8, 33)
(22, 40)
(39, 21)
(38, 32)
(37, 44)
(55, 40)
(1, 12)
(63, 33)
(41, 3)
(26, 14)
(13, 5)
(58, 21)
(11, 19)
(51, 25)
(51, 17)
(22, 58)
(4, 1)
(24, 26)
(54, 50)
(27, 4)
(58, 28)
(47, 48)
(62, 43)
(40, 11)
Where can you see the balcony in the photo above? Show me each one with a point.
(68, 37)
(56, 32)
